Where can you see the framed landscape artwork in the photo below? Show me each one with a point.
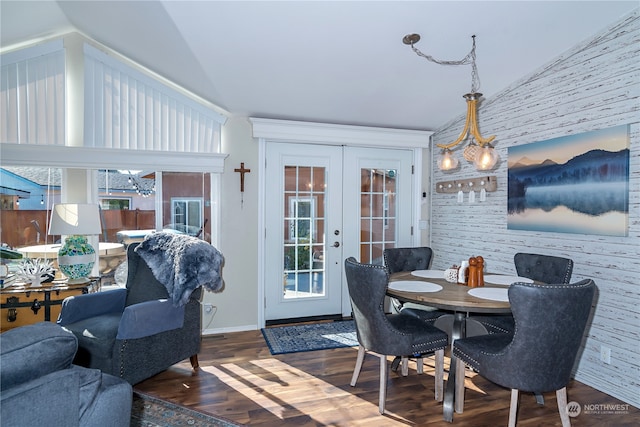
(572, 184)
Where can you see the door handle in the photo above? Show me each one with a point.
(336, 244)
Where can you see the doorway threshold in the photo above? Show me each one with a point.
(308, 319)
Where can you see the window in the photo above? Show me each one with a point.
(114, 204)
(124, 208)
(127, 112)
(302, 216)
(186, 215)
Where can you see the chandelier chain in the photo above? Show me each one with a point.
(470, 58)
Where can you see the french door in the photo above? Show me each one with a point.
(324, 204)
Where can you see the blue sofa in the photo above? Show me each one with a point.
(39, 385)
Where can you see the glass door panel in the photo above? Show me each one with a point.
(303, 269)
(377, 209)
(379, 183)
(304, 246)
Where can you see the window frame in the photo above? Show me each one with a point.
(187, 201)
(94, 159)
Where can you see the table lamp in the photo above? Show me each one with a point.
(75, 220)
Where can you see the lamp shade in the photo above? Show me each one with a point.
(76, 257)
(75, 219)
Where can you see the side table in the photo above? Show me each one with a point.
(21, 305)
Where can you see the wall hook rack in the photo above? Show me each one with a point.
(489, 183)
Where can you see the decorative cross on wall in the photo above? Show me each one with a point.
(242, 171)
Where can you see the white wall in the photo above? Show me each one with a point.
(593, 86)
(237, 305)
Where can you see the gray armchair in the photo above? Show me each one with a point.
(407, 259)
(137, 332)
(541, 268)
(41, 387)
(539, 356)
(388, 334)
(398, 260)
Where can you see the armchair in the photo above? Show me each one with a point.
(137, 332)
(539, 356)
(388, 334)
(40, 386)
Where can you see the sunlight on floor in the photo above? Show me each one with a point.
(282, 380)
(429, 368)
(469, 384)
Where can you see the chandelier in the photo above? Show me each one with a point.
(479, 150)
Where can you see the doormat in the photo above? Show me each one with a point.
(149, 411)
(311, 337)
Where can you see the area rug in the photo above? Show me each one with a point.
(149, 411)
(310, 337)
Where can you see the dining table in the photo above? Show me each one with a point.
(429, 288)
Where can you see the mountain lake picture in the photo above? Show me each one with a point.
(572, 184)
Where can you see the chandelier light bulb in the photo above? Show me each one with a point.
(446, 161)
(486, 158)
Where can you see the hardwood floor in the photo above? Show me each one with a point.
(239, 379)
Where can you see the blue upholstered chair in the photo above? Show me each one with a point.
(550, 322)
(39, 385)
(388, 334)
(137, 332)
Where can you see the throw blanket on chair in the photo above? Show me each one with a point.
(182, 263)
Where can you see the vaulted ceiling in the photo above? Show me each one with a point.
(326, 61)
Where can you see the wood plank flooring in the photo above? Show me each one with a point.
(239, 379)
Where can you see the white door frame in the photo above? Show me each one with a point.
(268, 130)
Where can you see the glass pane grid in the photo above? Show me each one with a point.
(377, 221)
(304, 239)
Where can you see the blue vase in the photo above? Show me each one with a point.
(76, 258)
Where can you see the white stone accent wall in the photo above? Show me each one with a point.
(595, 85)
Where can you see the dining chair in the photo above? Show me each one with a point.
(399, 260)
(540, 268)
(550, 323)
(407, 259)
(384, 334)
